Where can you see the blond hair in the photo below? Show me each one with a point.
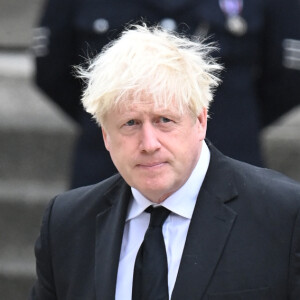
(152, 61)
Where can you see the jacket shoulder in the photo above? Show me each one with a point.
(258, 185)
(88, 199)
(266, 185)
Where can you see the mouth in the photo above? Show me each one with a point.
(151, 165)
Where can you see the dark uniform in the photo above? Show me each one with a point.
(71, 31)
(258, 86)
(279, 85)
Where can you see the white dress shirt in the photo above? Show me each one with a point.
(181, 204)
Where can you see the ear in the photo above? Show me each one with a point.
(106, 138)
(202, 124)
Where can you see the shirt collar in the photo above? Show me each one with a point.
(187, 193)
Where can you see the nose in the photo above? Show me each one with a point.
(149, 141)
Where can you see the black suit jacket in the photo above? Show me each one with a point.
(243, 241)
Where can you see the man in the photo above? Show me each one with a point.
(230, 230)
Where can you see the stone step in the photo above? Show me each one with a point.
(281, 144)
(36, 137)
(16, 279)
(22, 204)
(36, 141)
(17, 18)
(16, 64)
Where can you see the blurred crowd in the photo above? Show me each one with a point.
(259, 46)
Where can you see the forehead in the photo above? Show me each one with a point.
(147, 107)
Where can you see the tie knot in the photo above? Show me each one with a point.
(158, 215)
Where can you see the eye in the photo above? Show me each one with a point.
(164, 120)
(130, 123)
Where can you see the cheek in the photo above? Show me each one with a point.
(123, 148)
(191, 145)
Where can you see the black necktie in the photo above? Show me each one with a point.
(150, 279)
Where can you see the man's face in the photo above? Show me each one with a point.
(155, 150)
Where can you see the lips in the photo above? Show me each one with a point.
(151, 164)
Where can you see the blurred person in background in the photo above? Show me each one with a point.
(258, 43)
(260, 48)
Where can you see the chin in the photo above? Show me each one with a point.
(154, 192)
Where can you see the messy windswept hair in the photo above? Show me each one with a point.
(151, 61)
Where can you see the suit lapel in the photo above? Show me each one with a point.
(209, 230)
(109, 231)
